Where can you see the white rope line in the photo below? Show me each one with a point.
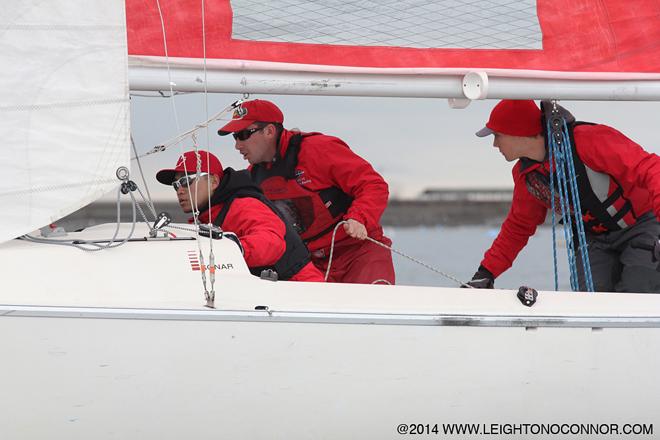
(167, 62)
(381, 281)
(180, 228)
(82, 244)
(180, 137)
(421, 263)
(178, 129)
(144, 180)
(208, 161)
(332, 248)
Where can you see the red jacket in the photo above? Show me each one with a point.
(601, 148)
(261, 233)
(326, 161)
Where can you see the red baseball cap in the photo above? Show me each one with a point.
(513, 117)
(189, 159)
(249, 112)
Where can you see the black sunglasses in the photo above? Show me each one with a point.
(244, 135)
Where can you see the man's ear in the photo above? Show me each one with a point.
(270, 130)
(215, 181)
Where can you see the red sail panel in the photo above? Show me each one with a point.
(577, 36)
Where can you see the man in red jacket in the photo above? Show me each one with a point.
(239, 206)
(318, 181)
(619, 189)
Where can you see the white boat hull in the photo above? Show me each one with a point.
(323, 361)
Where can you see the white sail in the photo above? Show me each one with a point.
(65, 101)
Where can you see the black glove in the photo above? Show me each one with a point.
(482, 279)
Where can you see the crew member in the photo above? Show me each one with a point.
(619, 190)
(318, 182)
(239, 206)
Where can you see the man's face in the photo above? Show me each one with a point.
(260, 145)
(515, 147)
(197, 193)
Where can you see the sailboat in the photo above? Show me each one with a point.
(116, 341)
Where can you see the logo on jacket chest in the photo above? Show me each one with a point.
(301, 179)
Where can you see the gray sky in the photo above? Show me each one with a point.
(414, 143)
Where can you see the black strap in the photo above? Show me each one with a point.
(223, 212)
(281, 166)
(295, 256)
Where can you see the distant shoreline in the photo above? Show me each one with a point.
(406, 213)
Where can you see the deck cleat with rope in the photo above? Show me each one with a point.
(162, 220)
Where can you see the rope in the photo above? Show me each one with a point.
(144, 180)
(136, 204)
(582, 239)
(162, 148)
(561, 164)
(178, 140)
(149, 204)
(180, 137)
(421, 263)
(552, 207)
(95, 246)
(211, 297)
(167, 62)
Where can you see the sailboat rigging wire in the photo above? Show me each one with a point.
(185, 169)
(180, 137)
(167, 62)
(80, 244)
(332, 248)
(149, 204)
(136, 204)
(146, 187)
(211, 298)
(208, 295)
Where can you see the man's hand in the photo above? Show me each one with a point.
(355, 229)
(482, 279)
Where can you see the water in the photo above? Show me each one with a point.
(458, 251)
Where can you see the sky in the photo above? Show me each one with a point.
(415, 143)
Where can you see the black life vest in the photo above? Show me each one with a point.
(312, 213)
(602, 210)
(238, 184)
